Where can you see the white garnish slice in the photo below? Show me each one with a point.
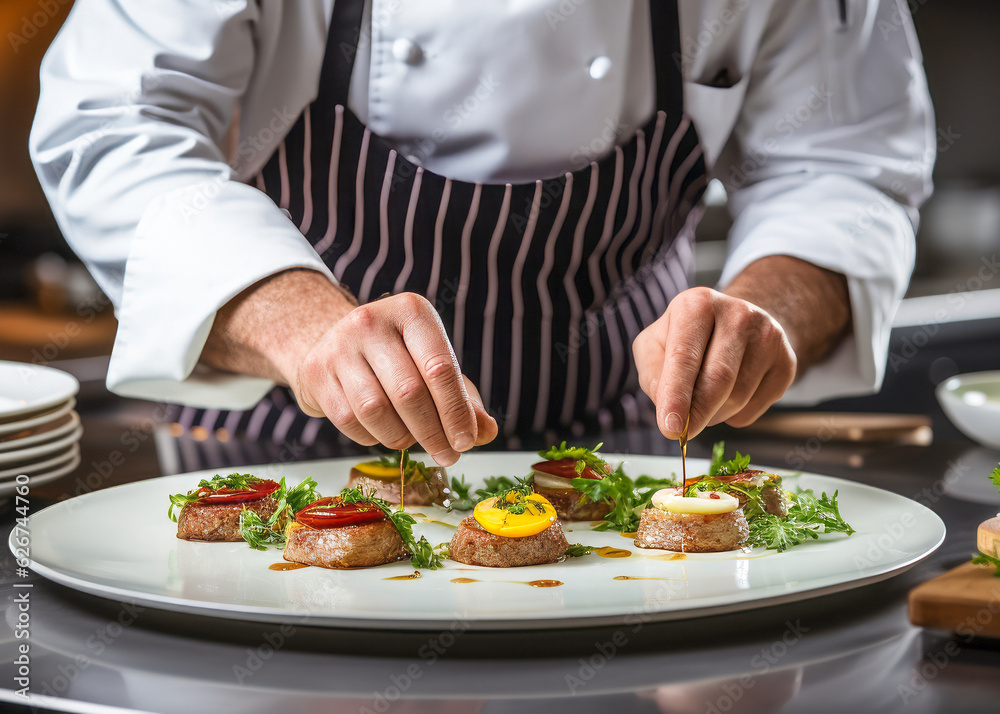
(549, 481)
(703, 503)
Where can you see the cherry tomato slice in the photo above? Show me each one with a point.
(566, 468)
(259, 489)
(331, 512)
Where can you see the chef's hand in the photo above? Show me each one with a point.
(383, 372)
(727, 356)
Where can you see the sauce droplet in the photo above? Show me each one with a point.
(628, 535)
(608, 552)
(286, 566)
(633, 577)
(415, 575)
(440, 523)
(532, 583)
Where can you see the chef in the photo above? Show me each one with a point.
(430, 221)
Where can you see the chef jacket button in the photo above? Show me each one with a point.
(407, 51)
(599, 67)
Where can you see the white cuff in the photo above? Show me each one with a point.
(194, 250)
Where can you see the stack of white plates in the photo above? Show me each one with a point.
(39, 431)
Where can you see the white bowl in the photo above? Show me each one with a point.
(972, 402)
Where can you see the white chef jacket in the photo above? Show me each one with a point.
(818, 122)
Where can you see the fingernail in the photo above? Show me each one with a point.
(673, 423)
(464, 441)
(445, 458)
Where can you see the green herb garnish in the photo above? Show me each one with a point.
(422, 552)
(260, 533)
(460, 500)
(413, 470)
(584, 457)
(808, 516)
(234, 481)
(520, 490)
(495, 485)
(628, 497)
(576, 550)
(719, 467)
(983, 559)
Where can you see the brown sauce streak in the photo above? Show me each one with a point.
(286, 566)
(628, 535)
(671, 556)
(608, 552)
(633, 577)
(415, 575)
(440, 523)
(532, 583)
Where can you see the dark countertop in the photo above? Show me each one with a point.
(849, 652)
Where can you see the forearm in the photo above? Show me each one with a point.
(811, 304)
(267, 330)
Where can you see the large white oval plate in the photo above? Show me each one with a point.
(118, 543)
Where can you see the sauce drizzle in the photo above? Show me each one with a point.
(532, 583)
(608, 552)
(634, 577)
(286, 566)
(415, 575)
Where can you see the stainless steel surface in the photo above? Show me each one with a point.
(852, 651)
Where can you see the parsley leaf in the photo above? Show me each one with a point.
(808, 516)
(719, 467)
(584, 457)
(983, 559)
(576, 550)
(495, 485)
(995, 477)
(259, 533)
(628, 497)
(459, 499)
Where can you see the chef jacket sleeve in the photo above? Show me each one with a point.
(829, 161)
(137, 98)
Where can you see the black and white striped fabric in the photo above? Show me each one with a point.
(542, 286)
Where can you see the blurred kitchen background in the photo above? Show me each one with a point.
(52, 313)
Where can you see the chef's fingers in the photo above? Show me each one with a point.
(371, 405)
(486, 424)
(337, 408)
(406, 389)
(647, 350)
(425, 338)
(719, 375)
(692, 321)
(774, 384)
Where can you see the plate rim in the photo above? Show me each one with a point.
(61, 410)
(45, 402)
(540, 620)
(48, 447)
(32, 439)
(7, 487)
(45, 466)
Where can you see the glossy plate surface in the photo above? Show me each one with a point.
(118, 543)
(28, 388)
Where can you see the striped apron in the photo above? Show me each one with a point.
(541, 286)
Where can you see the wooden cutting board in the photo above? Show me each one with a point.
(965, 600)
(846, 427)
